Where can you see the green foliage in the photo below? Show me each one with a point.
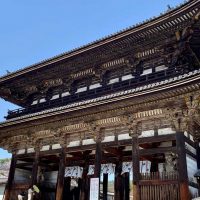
(2, 161)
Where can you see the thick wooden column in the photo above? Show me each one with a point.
(126, 186)
(10, 177)
(198, 154)
(66, 188)
(84, 185)
(61, 175)
(98, 156)
(105, 186)
(119, 189)
(198, 162)
(136, 167)
(182, 166)
(34, 178)
(35, 166)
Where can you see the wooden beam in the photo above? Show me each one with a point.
(190, 142)
(144, 152)
(26, 168)
(113, 151)
(91, 147)
(157, 182)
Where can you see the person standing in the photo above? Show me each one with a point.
(30, 193)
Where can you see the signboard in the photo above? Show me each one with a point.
(94, 189)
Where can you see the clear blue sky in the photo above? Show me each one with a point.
(33, 30)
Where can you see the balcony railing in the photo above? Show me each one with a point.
(97, 92)
(162, 176)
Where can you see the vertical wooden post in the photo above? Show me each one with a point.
(136, 168)
(98, 157)
(119, 191)
(198, 154)
(182, 166)
(34, 178)
(105, 186)
(66, 188)
(10, 177)
(35, 166)
(198, 161)
(61, 174)
(126, 186)
(84, 185)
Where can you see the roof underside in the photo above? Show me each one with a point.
(93, 55)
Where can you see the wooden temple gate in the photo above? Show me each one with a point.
(130, 98)
(152, 184)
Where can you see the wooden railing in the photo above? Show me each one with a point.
(159, 186)
(159, 176)
(160, 192)
(21, 185)
(97, 92)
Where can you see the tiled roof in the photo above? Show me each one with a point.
(106, 39)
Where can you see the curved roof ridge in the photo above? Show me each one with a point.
(89, 45)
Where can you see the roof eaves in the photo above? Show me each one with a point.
(94, 44)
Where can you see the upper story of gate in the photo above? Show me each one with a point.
(155, 50)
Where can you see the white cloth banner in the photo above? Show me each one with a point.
(74, 171)
(108, 168)
(105, 169)
(127, 167)
(144, 167)
(91, 170)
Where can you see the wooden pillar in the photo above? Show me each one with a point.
(126, 186)
(34, 177)
(136, 167)
(98, 157)
(35, 167)
(119, 190)
(198, 162)
(182, 166)
(10, 177)
(66, 188)
(61, 175)
(198, 154)
(105, 186)
(84, 185)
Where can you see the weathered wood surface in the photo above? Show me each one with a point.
(182, 166)
(61, 173)
(8, 188)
